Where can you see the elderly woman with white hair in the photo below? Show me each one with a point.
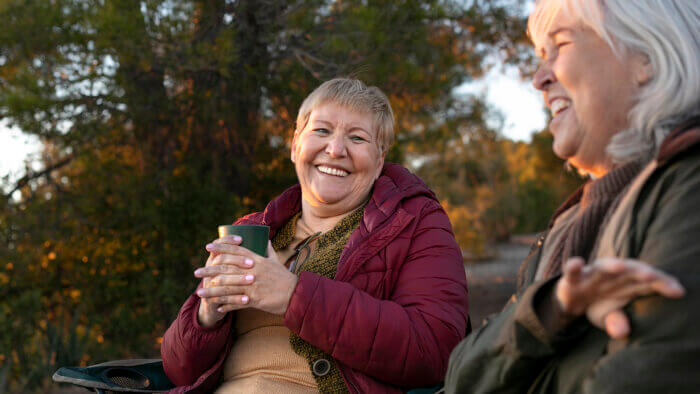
(362, 289)
(599, 308)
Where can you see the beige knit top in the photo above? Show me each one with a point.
(262, 359)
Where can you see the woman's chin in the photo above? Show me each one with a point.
(561, 150)
(333, 200)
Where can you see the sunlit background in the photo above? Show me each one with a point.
(180, 125)
(520, 108)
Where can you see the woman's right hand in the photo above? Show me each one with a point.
(600, 290)
(231, 271)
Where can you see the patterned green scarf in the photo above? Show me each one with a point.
(324, 262)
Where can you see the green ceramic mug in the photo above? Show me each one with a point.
(254, 236)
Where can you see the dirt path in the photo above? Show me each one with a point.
(492, 282)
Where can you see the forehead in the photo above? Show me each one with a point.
(546, 16)
(334, 113)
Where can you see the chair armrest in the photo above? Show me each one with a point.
(132, 376)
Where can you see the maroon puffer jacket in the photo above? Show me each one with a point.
(391, 316)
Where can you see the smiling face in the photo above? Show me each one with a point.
(588, 89)
(337, 159)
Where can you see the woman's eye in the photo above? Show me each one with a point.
(321, 131)
(356, 138)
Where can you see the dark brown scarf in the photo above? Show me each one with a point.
(594, 201)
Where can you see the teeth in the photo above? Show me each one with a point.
(559, 105)
(332, 171)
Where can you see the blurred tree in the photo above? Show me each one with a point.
(493, 187)
(164, 118)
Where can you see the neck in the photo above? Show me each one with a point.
(321, 219)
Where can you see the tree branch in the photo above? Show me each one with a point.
(34, 175)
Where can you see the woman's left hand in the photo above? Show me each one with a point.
(270, 289)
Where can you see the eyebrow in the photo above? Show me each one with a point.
(352, 126)
(541, 52)
(560, 30)
(323, 121)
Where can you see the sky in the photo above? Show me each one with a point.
(519, 103)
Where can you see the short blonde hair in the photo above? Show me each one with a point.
(355, 95)
(666, 33)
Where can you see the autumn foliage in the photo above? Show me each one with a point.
(162, 119)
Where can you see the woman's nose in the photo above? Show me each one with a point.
(543, 77)
(336, 146)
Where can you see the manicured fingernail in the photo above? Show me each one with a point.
(200, 292)
(198, 272)
(248, 262)
(249, 278)
(244, 299)
(237, 238)
(209, 247)
(220, 310)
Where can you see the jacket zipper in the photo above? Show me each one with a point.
(348, 382)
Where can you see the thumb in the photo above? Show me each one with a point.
(617, 325)
(270, 250)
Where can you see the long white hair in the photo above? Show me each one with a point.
(667, 33)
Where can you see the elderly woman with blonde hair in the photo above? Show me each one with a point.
(599, 308)
(363, 288)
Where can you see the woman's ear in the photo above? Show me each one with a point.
(381, 165)
(642, 69)
(294, 147)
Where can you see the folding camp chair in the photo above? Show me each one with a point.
(131, 376)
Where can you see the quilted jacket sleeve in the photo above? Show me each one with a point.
(405, 340)
(188, 349)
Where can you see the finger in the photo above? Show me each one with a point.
(637, 272)
(626, 292)
(610, 265)
(233, 307)
(270, 250)
(229, 239)
(603, 284)
(233, 259)
(214, 294)
(239, 299)
(221, 269)
(637, 287)
(226, 248)
(645, 272)
(617, 325)
(231, 280)
(573, 269)
(668, 287)
(210, 259)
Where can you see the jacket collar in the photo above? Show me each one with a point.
(683, 138)
(394, 185)
(282, 208)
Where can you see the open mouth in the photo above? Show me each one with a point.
(559, 105)
(333, 171)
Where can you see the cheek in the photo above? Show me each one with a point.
(306, 151)
(369, 163)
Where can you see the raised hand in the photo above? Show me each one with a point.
(600, 290)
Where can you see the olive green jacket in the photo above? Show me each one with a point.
(657, 221)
